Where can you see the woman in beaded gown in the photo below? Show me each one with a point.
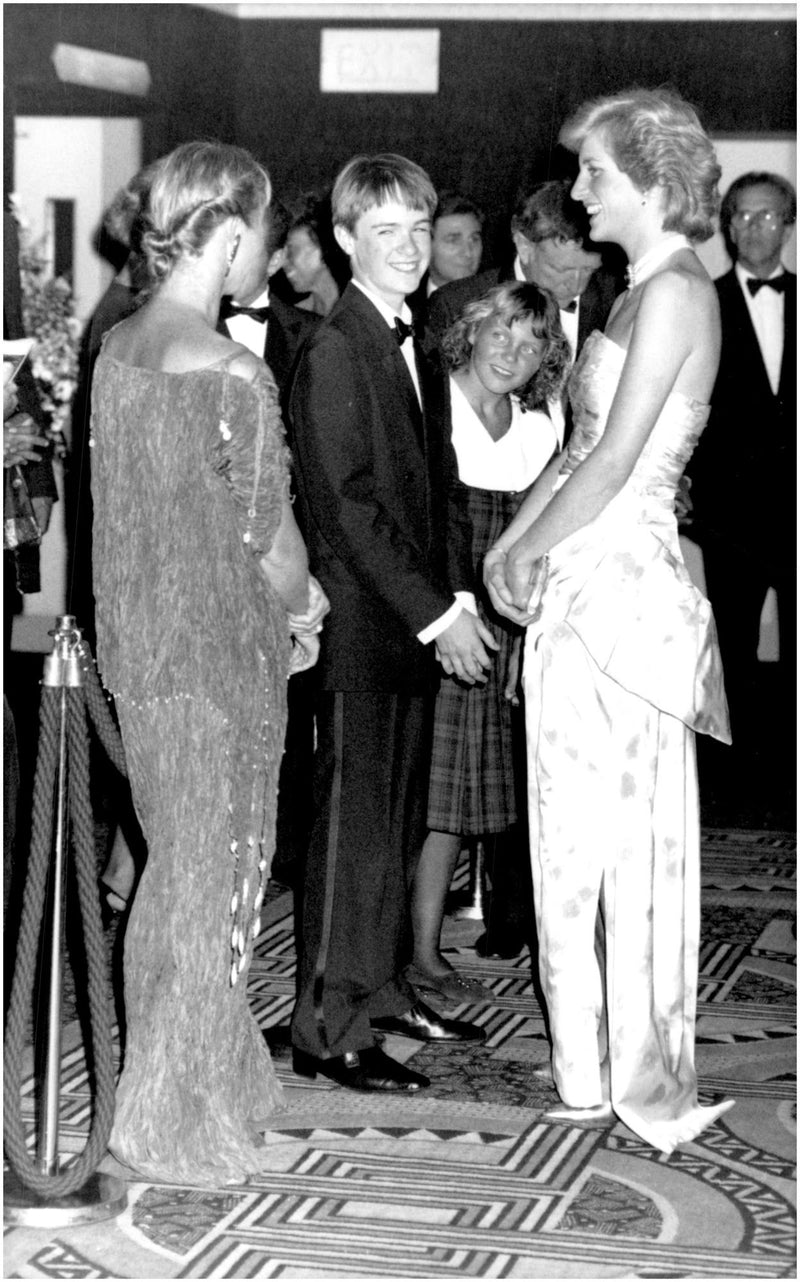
(201, 578)
(621, 663)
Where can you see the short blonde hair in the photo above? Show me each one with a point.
(656, 139)
(194, 189)
(367, 181)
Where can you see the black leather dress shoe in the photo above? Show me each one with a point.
(493, 950)
(367, 1070)
(424, 1025)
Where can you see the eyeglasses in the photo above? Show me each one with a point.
(763, 217)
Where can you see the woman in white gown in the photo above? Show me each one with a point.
(621, 657)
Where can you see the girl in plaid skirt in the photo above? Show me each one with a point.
(508, 358)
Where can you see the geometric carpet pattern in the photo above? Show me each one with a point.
(469, 1179)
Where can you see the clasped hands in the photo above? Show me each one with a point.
(306, 627)
(509, 586)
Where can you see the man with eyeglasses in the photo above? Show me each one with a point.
(744, 471)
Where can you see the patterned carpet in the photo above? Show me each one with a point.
(468, 1179)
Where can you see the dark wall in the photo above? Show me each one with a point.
(505, 87)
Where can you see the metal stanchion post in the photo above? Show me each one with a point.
(102, 1196)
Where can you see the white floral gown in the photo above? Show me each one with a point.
(621, 669)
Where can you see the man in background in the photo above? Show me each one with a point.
(744, 470)
(275, 331)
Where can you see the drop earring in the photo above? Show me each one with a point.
(232, 252)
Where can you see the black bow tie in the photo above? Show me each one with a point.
(778, 283)
(229, 309)
(571, 307)
(402, 330)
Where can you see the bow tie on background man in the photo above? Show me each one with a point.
(229, 309)
(778, 283)
(402, 330)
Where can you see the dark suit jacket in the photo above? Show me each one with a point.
(447, 303)
(287, 330)
(744, 469)
(375, 476)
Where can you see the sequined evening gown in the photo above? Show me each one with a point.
(188, 471)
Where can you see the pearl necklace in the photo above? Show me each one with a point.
(645, 266)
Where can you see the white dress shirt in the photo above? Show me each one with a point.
(766, 310)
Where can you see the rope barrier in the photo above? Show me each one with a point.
(70, 688)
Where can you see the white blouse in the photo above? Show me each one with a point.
(512, 463)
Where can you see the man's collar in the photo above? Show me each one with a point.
(388, 313)
(744, 274)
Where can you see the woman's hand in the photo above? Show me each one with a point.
(309, 622)
(9, 400)
(305, 652)
(22, 442)
(500, 592)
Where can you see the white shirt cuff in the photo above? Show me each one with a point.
(463, 601)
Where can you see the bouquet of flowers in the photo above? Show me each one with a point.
(47, 312)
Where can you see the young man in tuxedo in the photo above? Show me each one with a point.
(744, 470)
(375, 472)
(276, 331)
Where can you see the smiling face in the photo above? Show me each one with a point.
(758, 230)
(610, 198)
(389, 250)
(505, 357)
(456, 247)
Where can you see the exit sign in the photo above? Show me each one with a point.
(379, 61)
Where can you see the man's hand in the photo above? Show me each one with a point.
(305, 652)
(461, 648)
(310, 621)
(22, 442)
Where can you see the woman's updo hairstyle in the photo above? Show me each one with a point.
(516, 301)
(656, 139)
(194, 189)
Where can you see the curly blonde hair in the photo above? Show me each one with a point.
(656, 139)
(516, 301)
(194, 189)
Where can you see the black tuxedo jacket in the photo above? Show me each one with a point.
(447, 303)
(378, 488)
(288, 329)
(744, 469)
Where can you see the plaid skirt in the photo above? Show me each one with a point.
(472, 787)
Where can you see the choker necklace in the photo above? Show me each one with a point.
(644, 267)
